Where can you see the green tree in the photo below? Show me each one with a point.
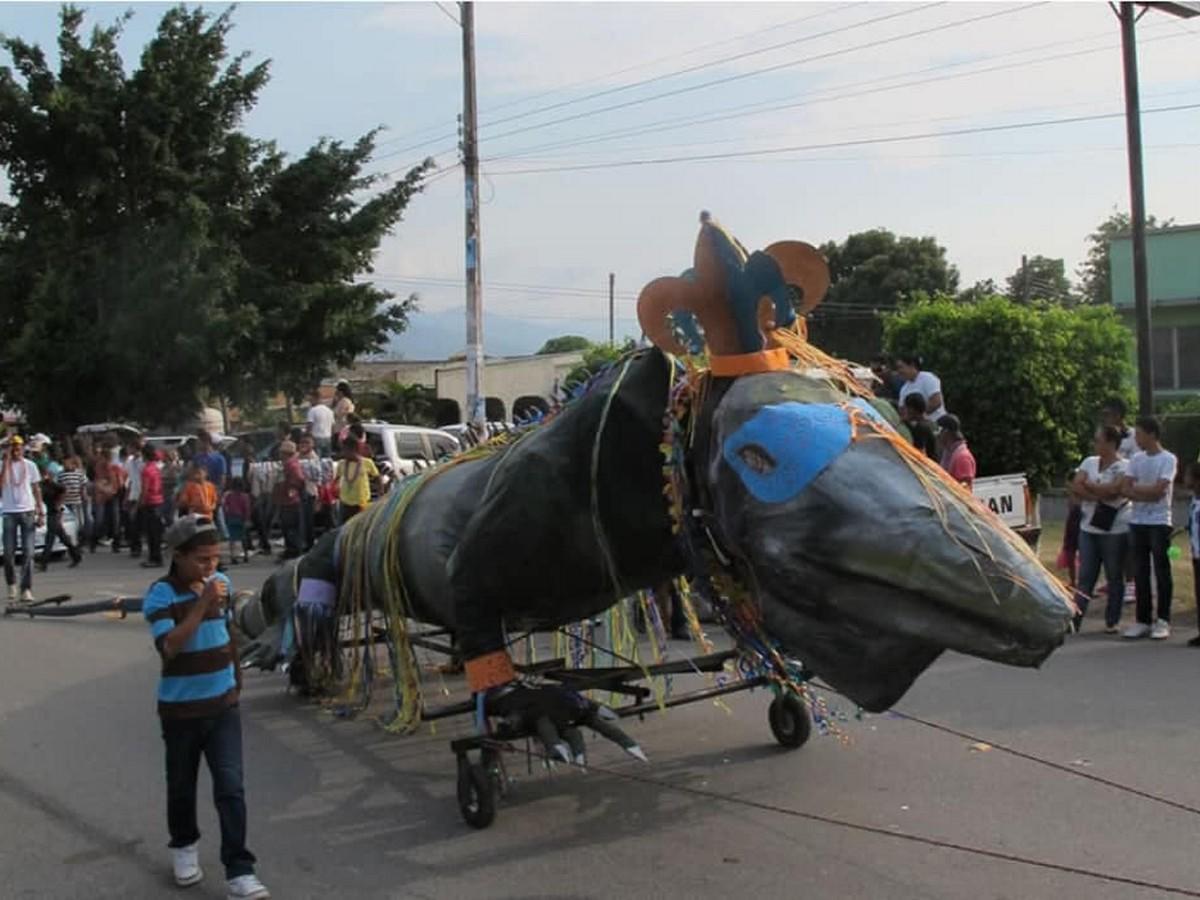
(1027, 381)
(407, 404)
(1095, 278)
(565, 344)
(1040, 278)
(980, 290)
(153, 252)
(872, 272)
(595, 358)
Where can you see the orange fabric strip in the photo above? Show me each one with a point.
(489, 671)
(774, 360)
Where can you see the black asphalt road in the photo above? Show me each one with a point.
(341, 809)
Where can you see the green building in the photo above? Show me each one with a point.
(1173, 258)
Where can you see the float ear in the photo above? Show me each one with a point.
(657, 301)
(803, 267)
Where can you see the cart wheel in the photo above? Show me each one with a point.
(790, 722)
(476, 796)
(493, 765)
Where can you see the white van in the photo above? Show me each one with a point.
(401, 450)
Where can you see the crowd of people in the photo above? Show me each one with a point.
(917, 395)
(126, 494)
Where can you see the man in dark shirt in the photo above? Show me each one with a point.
(52, 497)
(913, 414)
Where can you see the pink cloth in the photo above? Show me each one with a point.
(960, 463)
(237, 505)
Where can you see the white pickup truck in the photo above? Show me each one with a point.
(1009, 497)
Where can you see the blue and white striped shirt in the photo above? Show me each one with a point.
(200, 680)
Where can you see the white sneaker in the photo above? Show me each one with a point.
(186, 863)
(1161, 630)
(12, 593)
(27, 596)
(246, 887)
(1136, 630)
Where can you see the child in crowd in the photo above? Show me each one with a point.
(1193, 484)
(199, 496)
(354, 475)
(237, 518)
(189, 616)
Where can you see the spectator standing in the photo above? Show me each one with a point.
(343, 405)
(1150, 484)
(21, 497)
(913, 415)
(320, 424)
(924, 383)
(74, 484)
(956, 456)
(263, 476)
(52, 502)
(237, 519)
(218, 473)
(354, 474)
(314, 471)
(108, 484)
(1104, 525)
(133, 495)
(172, 471)
(199, 497)
(1112, 413)
(1193, 483)
(288, 494)
(189, 613)
(149, 509)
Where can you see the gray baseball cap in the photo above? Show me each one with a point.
(186, 528)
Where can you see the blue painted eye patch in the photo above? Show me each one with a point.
(784, 447)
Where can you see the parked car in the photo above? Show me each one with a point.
(70, 526)
(462, 432)
(405, 449)
(1009, 497)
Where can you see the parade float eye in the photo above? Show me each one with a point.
(784, 447)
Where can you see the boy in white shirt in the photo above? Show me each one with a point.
(1149, 485)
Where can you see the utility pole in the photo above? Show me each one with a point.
(475, 412)
(1137, 195)
(612, 280)
(1024, 279)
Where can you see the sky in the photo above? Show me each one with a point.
(865, 94)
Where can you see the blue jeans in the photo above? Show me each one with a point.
(1108, 550)
(25, 522)
(1150, 545)
(219, 740)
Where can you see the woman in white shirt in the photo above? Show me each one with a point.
(1104, 527)
(926, 384)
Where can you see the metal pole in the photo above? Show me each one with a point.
(470, 150)
(1024, 279)
(612, 280)
(1137, 195)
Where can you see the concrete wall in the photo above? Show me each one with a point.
(505, 379)
(509, 379)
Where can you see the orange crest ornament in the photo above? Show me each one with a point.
(736, 298)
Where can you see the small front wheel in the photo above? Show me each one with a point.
(790, 722)
(476, 795)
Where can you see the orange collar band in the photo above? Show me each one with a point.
(489, 671)
(775, 360)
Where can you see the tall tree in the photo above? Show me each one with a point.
(133, 255)
(872, 272)
(1040, 278)
(1095, 278)
(565, 343)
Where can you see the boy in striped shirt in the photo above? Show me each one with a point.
(188, 613)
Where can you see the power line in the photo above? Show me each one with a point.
(706, 157)
(453, 18)
(738, 76)
(622, 71)
(812, 98)
(728, 79)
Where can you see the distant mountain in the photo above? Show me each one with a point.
(438, 335)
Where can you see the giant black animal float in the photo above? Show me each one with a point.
(732, 454)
